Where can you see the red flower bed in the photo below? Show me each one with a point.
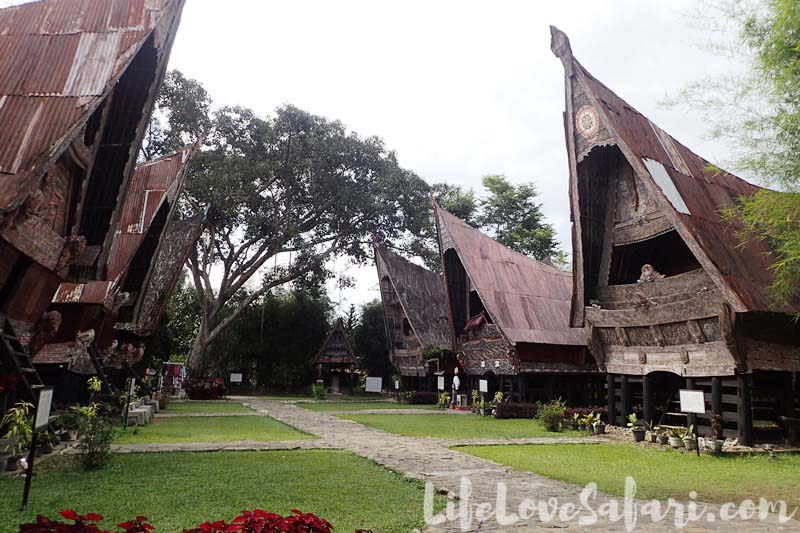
(257, 521)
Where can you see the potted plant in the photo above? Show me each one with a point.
(18, 433)
(598, 426)
(444, 400)
(676, 437)
(637, 430)
(663, 437)
(688, 439)
(475, 397)
(650, 432)
(716, 433)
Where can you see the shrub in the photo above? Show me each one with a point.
(550, 415)
(318, 391)
(423, 398)
(515, 410)
(256, 521)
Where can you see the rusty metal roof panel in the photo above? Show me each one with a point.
(58, 58)
(706, 190)
(92, 292)
(528, 300)
(153, 183)
(422, 297)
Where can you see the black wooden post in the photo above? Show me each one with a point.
(716, 395)
(647, 399)
(612, 415)
(625, 401)
(745, 409)
(691, 418)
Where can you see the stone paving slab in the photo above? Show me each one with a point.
(444, 467)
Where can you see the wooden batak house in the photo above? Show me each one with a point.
(416, 318)
(335, 364)
(78, 80)
(510, 319)
(93, 309)
(671, 297)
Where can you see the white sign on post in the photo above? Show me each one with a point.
(440, 383)
(43, 409)
(374, 384)
(692, 401)
(396, 385)
(236, 378)
(483, 385)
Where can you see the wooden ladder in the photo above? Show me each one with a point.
(94, 355)
(15, 357)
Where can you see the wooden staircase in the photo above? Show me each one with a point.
(15, 359)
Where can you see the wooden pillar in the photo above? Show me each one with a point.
(612, 415)
(691, 418)
(625, 397)
(647, 399)
(745, 409)
(716, 395)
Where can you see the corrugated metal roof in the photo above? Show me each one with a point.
(91, 292)
(57, 60)
(153, 183)
(528, 300)
(705, 189)
(422, 297)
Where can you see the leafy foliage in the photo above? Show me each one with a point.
(369, 340)
(758, 114)
(550, 415)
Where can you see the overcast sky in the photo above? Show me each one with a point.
(459, 89)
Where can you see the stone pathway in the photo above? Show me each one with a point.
(430, 460)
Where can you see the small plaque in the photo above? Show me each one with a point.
(236, 377)
(374, 384)
(43, 409)
(483, 385)
(396, 384)
(692, 401)
(440, 383)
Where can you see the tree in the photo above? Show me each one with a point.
(369, 340)
(350, 321)
(758, 114)
(507, 213)
(286, 192)
(511, 215)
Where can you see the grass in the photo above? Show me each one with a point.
(360, 406)
(210, 429)
(196, 406)
(454, 426)
(181, 490)
(286, 398)
(658, 473)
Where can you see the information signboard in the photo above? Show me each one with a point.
(374, 384)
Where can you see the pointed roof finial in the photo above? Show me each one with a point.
(559, 44)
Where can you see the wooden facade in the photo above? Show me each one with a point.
(670, 297)
(78, 81)
(509, 316)
(336, 364)
(416, 317)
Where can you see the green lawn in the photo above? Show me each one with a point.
(197, 406)
(210, 429)
(181, 490)
(454, 426)
(360, 406)
(658, 473)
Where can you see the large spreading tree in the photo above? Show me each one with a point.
(285, 194)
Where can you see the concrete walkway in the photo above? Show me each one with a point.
(430, 460)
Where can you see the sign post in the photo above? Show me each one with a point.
(373, 384)
(41, 417)
(440, 383)
(693, 401)
(131, 392)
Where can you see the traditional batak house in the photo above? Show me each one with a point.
(78, 79)
(145, 226)
(336, 364)
(510, 319)
(672, 298)
(416, 318)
